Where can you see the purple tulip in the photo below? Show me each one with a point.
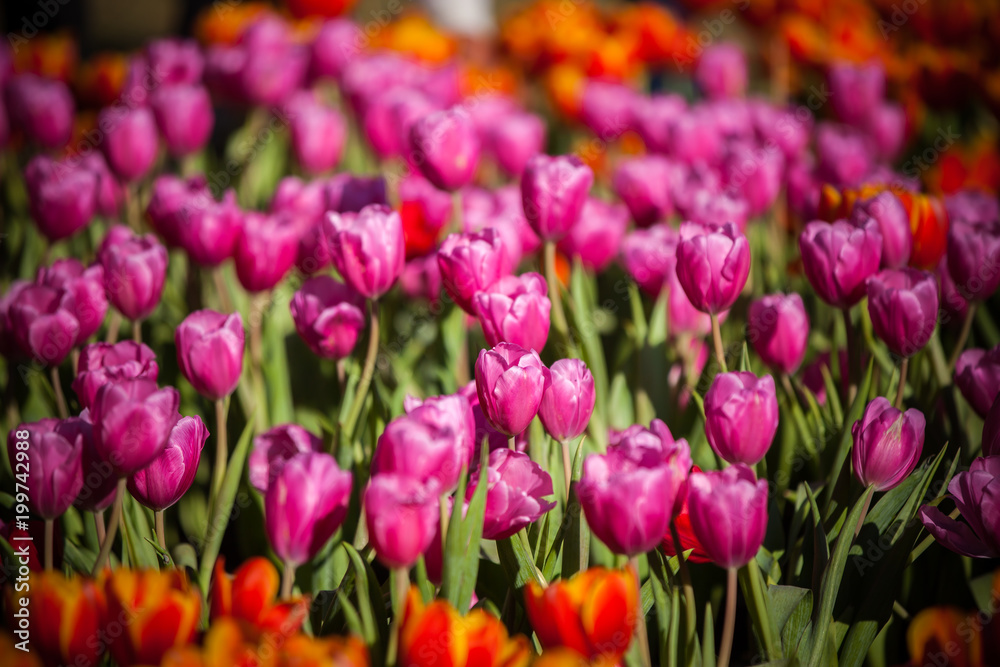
(778, 330)
(41, 108)
(509, 381)
(104, 363)
(471, 263)
(682, 317)
(650, 256)
(642, 183)
(654, 116)
(977, 375)
(483, 429)
(844, 154)
(553, 191)
(975, 494)
(606, 108)
(903, 305)
(713, 268)
(51, 461)
(274, 66)
(728, 511)
(209, 230)
(886, 125)
(838, 258)
(856, 90)
(109, 190)
(9, 345)
(974, 259)
(567, 400)
(318, 133)
(991, 430)
(656, 443)
(162, 483)
(210, 352)
(789, 129)
(402, 517)
(597, 237)
(266, 249)
(367, 248)
(722, 72)
(305, 505)
(515, 309)
(499, 211)
(893, 221)
(43, 323)
(130, 140)
(741, 416)
(952, 300)
(335, 45)
(515, 139)
(273, 448)
(62, 196)
(132, 419)
(329, 316)
(515, 493)
(184, 116)
(135, 268)
(84, 293)
(887, 444)
(755, 175)
(971, 205)
(169, 202)
(445, 148)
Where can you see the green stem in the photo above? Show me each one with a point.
(903, 368)
(853, 355)
(161, 531)
(366, 374)
(287, 580)
(691, 608)
(720, 354)
(50, 533)
(729, 625)
(112, 532)
(558, 314)
(400, 583)
(60, 396)
(641, 636)
(221, 452)
(963, 337)
(567, 467)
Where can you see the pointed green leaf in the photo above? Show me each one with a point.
(846, 440)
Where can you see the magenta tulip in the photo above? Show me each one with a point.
(903, 305)
(654, 116)
(41, 108)
(728, 512)
(62, 196)
(741, 416)
(515, 310)
(273, 448)
(510, 381)
(274, 65)
(266, 249)
(209, 230)
(887, 444)
(135, 269)
(334, 46)
(130, 140)
(778, 330)
(844, 155)
(515, 139)
(713, 268)
(9, 345)
(445, 148)
(390, 117)
(83, 291)
(162, 483)
(210, 352)
(169, 203)
(839, 258)
(642, 183)
(975, 493)
(175, 61)
(887, 210)
(104, 363)
(184, 116)
(553, 191)
(367, 248)
(597, 237)
(886, 125)
(421, 278)
(51, 460)
(329, 316)
(471, 263)
(977, 375)
(755, 175)
(606, 108)
(974, 259)
(567, 400)
(43, 324)
(515, 493)
(100, 481)
(722, 71)
(132, 419)
(318, 133)
(650, 256)
(402, 517)
(856, 90)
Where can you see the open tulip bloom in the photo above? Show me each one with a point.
(436, 361)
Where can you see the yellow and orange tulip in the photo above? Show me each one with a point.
(67, 615)
(250, 597)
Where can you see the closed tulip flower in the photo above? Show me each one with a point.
(445, 148)
(66, 614)
(318, 133)
(265, 250)
(471, 263)
(135, 268)
(109, 190)
(132, 420)
(162, 483)
(903, 305)
(778, 330)
(893, 223)
(839, 258)
(175, 61)
(184, 115)
(41, 108)
(9, 345)
(389, 118)
(755, 175)
(640, 183)
(975, 493)
(553, 191)
(650, 256)
(991, 430)
(653, 117)
(402, 516)
(977, 375)
(722, 72)
(509, 381)
(130, 140)
(856, 90)
(304, 506)
(597, 237)
(974, 259)
(515, 139)
(52, 461)
(695, 138)
(273, 448)
(210, 352)
(62, 197)
(886, 125)
(170, 204)
(712, 268)
(332, 49)
(43, 323)
(568, 399)
(83, 289)
(516, 310)
(106, 363)
(328, 316)
(274, 65)
(210, 229)
(515, 495)
(741, 416)
(728, 512)
(887, 444)
(367, 248)
(711, 209)
(250, 596)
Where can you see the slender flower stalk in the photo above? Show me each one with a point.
(558, 314)
(112, 531)
(720, 354)
(60, 396)
(49, 542)
(161, 532)
(729, 624)
(366, 373)
(690, 609)
(221, 450)
(641, 636)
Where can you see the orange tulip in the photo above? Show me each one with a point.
(939, 635)
(565, 84)
(436, 635)
(594, 613)
(415, 35)
(304, 651)
(929, 225)
(99, 80)
(52, 55)
(66, 618)
(11, 656)
(155, 611)
(250, 596)
(224, 645)
(224, 23)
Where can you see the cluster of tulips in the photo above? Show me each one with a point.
(491, 478)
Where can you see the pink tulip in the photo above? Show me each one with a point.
(728, 512)
(104, 363)
(402, 516)
(210, 352)
(515, 310)
(510, 381)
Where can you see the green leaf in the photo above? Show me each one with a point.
(758, 605)
(576, 543)
(846, 440)
(370, 606)
(832, 395)
(137, 531)
(585, 314)
(745, 360)
(792, 611)
(517, 563)
(638, 312)
(461, 554)
(708, 638)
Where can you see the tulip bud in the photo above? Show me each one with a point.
(741, 416)
(62, 197)
(515, 493)
(509, 381)
(104, 363)
(722, 72)
(640, 183)
(135, 268)
(516, 310)
(130, 140)
(210, 352)
(367, 248)
(728, 512)
(184, 116)
(389, 117)
(334, 47)
(168, 209)
(43, 324)
(41, 108)
(977, 375)
(991, 430)
(713, 268)
(887, 444)
(318, 133)
(305, 505)
(778, 330)
(52, 459)
(446, 148)
(9, 345)
(471, 263)
(553, 191)
(838, 258)
(132, 420)
(893, 223)
(84, 293)
(568, 399)
(209, 229)
(597, 237)
(695, 138)
(515, 139)
(974, 259)
(903, 305)
(328, 316)
(273, 448)
(402, 516)
(856, 90)
(162, 483)
(175, 61)
(653, 117)
(265, 250)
